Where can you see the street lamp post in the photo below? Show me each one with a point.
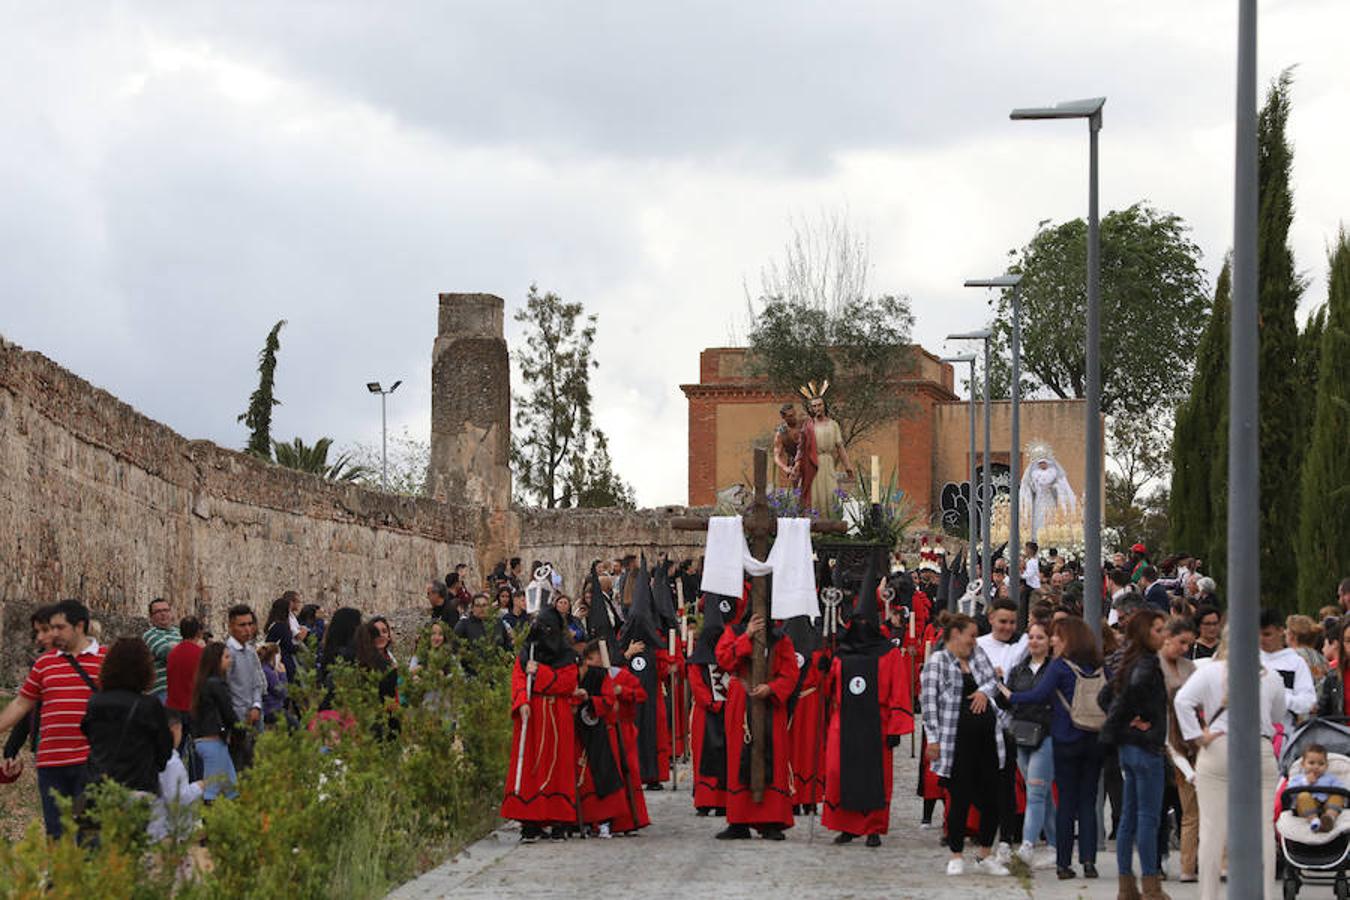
(986, 482)
(1014, 454)
(1246, 806)
(970, 506)
(1090, 109)
(374, 388)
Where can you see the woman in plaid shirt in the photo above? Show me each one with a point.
(958, 688)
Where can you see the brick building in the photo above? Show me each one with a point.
(731, 413)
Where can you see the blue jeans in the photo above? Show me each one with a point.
(1038, 770)
(68, 781)
(217, 769)
(1141, 803)
(1077, 766)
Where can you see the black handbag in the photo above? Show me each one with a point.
(1027, 733)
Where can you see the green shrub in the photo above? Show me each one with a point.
(329, 809)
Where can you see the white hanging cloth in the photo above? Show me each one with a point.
(726, 560)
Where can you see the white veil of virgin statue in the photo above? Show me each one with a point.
(1045, 486)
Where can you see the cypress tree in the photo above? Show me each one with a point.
(1309, 359)
(1199, 441)
(258, 416)
(1279, 288)
(1324, 523)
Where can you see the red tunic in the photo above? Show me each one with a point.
(595, 810)
(775, 809)
(808, 779)
(707, 795)
(664, 664)
(630, 693)
(547, 793)
(893, 705)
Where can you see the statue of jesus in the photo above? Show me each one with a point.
(820, 452)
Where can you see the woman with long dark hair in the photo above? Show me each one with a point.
(278, 631)
(128, 733)
(1035, 746)
(1136, 723)
(212, 718)
(372, 654)
(1331, 696)
(339, 638)
(1077, 752)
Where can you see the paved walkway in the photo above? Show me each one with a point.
(677, 857)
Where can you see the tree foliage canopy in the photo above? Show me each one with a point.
(551, 451)
(815, 319)
(1153, 300)
(258, 416)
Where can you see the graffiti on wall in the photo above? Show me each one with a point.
(954, 500)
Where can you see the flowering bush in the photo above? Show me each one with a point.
(344, 807)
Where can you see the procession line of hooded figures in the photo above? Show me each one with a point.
(589, 734)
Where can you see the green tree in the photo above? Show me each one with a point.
(595, 485)
(553, 414)
(1324, 513)
(1309, 364)
(1153, 296)
(409, 460)
(314, 460)
(1200, 442)
(1281, 439)
(816, 319)
(258, 416)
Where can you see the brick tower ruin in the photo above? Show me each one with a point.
(471, 404)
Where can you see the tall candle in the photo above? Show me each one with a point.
(876, 479)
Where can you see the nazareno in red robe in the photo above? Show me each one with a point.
(547, 793)
(897, 718)
(734, 654)
(665, 664)
(597, 809)
(630, 693)
(808, 774)
(709, 700)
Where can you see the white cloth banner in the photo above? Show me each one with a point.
(726, 560)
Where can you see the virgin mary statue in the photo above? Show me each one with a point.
(1045, 486)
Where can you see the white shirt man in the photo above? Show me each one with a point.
(1300, 696)
(998, 644)
(1031, 575)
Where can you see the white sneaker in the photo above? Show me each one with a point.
(956, 866)
(991, 866)
(925, 826)
(1046, 860)
(1027, 853)
(604, 831)
(1003, 852)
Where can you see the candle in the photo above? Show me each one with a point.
(876, 479)
(672, 642)
(911, 624)
(688, 641)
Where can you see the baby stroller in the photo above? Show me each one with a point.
(1314, 857)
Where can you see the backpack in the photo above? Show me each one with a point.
(1085, 712)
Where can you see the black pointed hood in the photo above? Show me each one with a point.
(548, 640)
(664, 598)
(863, 636)
(598, 626)
(716, 609)
(802, 631)
(641, 624)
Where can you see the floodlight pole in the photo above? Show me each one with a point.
(1247, 806)
(970, 504)
(375, 388)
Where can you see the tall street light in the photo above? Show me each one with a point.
(986, 483)
(1090, 109)
(970, 506)
(374, 388)
(1014, 454)
(1246, 812)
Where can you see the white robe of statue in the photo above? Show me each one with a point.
(1045, 486)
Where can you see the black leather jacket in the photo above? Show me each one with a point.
(1144, 696)
(1331, 695)
(1021, 678)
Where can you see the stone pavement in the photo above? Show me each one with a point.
(677, 857)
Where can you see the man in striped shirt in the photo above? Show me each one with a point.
(161, 637)
(62, 680)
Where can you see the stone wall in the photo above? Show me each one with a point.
(101, 503)
(572, 538)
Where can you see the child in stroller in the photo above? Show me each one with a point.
(1313, 849)
(1319, 808)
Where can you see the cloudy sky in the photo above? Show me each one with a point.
(177, 177)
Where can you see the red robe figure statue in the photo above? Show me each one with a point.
(773, 813)
(546, 794)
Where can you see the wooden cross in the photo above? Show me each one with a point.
(760, 525)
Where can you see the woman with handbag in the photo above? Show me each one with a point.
(1035, 748)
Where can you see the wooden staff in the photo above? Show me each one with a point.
(525, 722)
(674, 713)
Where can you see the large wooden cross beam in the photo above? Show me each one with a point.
(760, 525)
